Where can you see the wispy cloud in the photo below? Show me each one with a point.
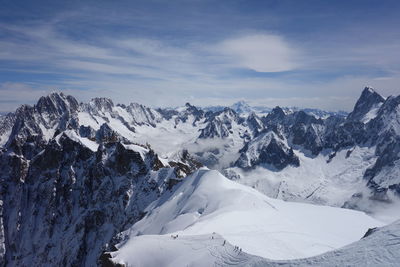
(146, 59)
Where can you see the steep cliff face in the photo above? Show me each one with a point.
(367, 106)
(67, 189)
(268, 150)
(64, 206)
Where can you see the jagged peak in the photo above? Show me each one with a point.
(101, 103)
(56, 102)
(58, 95)
(227, 114)
(277, 108)
(54, 95)
(191, 107)
(254, 122)
(369, 89)
(135, 104)
(133, 107)
(369, 99)
(253, 115)
(227, 111)
(277, 111)
(185, 108)
(101, 100)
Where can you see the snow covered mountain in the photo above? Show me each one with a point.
(74, 175)
(342, 161)
(244, 109)
(207, 202)
(269, 150)
(67, 202)
(367, 106)
(221, 139)
(71, 180)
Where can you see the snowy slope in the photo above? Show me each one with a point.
(207, 202)
(187, 250)
(315, 180)
(371, 114)
(168, 139)
(380, 248)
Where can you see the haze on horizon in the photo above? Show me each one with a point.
(315, 54)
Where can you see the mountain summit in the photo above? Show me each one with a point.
(241, 107)
(366, 106)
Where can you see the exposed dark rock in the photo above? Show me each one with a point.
(106, 134)
(370, 231)
(88, 132)
(70, 201)
(368, 100)
(268, 150)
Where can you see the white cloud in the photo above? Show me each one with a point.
(260, 52)
(161, 72)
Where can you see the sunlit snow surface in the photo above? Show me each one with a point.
(315, 180)
(207, 202)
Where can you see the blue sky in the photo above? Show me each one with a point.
(165, 53)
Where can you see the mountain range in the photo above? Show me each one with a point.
(88, 184)
(243, 108)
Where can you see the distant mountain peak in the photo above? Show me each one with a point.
(57, 103)
(277, 112)
(102, 103)
(368, 101)
(369, 89)
(240, 103)
(241, 107)
(53, 96)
